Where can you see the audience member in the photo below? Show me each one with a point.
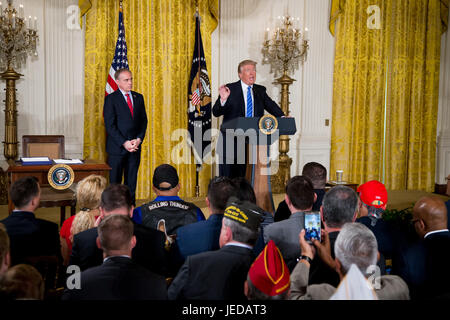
(245, 192)
(149, 250)
(339, 206)
(317, 173)
(167, 206)
(373, 200)
(28, 235)
(119, 277)
(299, 198)
(204, 235)
(424, 266)
(5, 258)
(89, 191)
(355, 245)
(22, 282)
(268, 277)
(221, 274)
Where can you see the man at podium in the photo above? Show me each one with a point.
(243, 98)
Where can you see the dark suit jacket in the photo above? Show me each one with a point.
(30, 236)
(235, 107)
(120, 125)
(118, 278)
(283, 211)
(214, 275)
(448, 214)
(199, 236)
(149, 251)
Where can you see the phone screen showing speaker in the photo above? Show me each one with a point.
(312, 226)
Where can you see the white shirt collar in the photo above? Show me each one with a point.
(245, 86)
(435, 231)
(124, 256)
(239, 244)
(124, 92)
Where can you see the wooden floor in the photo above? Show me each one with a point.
(396, 200)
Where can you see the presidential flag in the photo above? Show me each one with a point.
(120, 60)
(199, 96)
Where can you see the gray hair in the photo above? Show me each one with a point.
(255, 294)
(356, 244)
(339, 206)
(241, 233)
(119, 72)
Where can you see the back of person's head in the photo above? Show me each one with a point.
(116, 196)
(300, 191)
(429, 214)
(83, 220)
(115, 233)
(244, 189)
(317, 173)
(220, 189)
(4, 249)
(244, 219)
(89, 192)
(165, 177)
(339, 206)
(268, 277)
(23, 191)
(22, 281)
(356, 244)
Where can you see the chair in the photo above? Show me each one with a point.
(51, 146)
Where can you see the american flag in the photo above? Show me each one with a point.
(120, 59)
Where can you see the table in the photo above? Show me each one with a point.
(49, 196)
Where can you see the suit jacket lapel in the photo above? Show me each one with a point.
(124, 102)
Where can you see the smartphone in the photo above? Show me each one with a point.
(312, 226)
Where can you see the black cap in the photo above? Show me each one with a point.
(244, 212)
(165, 173)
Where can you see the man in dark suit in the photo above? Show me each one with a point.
(149, 250)
(29, 236)
(204, 235)
(119, 277)
(243, 98)
(125, 123)
(431, 255)
(221, 274)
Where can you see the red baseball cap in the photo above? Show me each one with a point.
(373, 193)
(269, 273)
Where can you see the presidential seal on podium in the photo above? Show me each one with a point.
(61, 176)
(268, 124)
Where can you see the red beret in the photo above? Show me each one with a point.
(269, 273)
(373, 193)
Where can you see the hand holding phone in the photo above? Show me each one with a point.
(312, 226)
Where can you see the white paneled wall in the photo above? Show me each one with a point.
(240, 35)
(443, 126)
(50, 93)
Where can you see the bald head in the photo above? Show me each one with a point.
(429, 214)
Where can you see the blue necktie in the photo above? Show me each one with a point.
(249, 102)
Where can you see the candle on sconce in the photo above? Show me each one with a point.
(306, 34)
(13, 21)
(1, 9)
(266, 34)
(35, 23)
(29, 22)
(21, 12)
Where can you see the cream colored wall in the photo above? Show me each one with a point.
(50, 93)
(240, 35)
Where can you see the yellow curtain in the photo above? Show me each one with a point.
(358, 95)
(399, 77)
(160, 40)
(412, 100)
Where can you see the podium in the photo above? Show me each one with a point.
(257, 134)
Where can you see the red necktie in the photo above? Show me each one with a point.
(130, 105)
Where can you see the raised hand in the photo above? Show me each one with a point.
(224, 93)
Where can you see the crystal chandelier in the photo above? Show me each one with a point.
(18, 36)
(286, 49)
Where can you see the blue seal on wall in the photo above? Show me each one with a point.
(61, 176)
